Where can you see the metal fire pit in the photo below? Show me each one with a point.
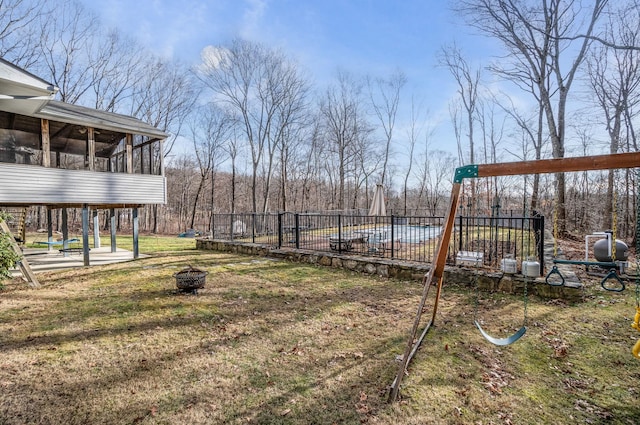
(190, 279)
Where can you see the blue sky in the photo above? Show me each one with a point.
(373, 37)
(367, 35)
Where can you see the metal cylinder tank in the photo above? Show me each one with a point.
(509, 265)
(531, 267)
(601, 251)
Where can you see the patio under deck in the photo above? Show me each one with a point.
(42, 260)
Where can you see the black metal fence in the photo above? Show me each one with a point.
(394, 237)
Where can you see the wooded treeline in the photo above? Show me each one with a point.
(251, 132)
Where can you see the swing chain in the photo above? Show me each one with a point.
(476, 304)
(526, 301)
(637, 238)
(637, 284)
(555, 231)
(636, 320)
(476, 293)
(614, 225)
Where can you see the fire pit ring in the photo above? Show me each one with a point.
(191, 279)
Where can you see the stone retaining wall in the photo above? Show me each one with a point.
(404, 270)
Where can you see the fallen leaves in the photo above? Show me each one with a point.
(153, 411)
(357, 355)
(496, 377)
(295, 350)
(560, 348)
(590, 408)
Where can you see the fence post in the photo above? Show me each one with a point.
(253, 227)
(339, 232)
(466, 232)
(392, 236)
(279, 230)
(541, 247)
(514, 238)
(231, 226)
(297, 233)
(460, 231)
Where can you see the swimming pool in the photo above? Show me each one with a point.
(405, 233)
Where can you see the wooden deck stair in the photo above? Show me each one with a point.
(23, 263)
(17, 223)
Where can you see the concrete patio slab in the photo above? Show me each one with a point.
(42, 260)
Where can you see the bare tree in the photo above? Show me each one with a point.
(313, 166)
(20, 32)
(627, 10)
(181, 175)
(232, 152)
(468, 81)
(454, 115)
(434, 169)
(614, 76)
(532, 135)
(264, 89)
(384, 94)
(91, 65)
(367, 161)
(68, 36)
(537, 37)
(293, 155)
(164, 97)
(209, 127)
(118, 65)
(492, 133)
(289, 97)
(345, 126)
(234, 74)
(414, 133)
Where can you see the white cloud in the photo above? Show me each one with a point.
(252, 19)
(211, 57)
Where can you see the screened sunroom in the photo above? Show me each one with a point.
(59, 156)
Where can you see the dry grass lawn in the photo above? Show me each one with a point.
(271, 342)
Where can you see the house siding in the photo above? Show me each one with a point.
(33, 185)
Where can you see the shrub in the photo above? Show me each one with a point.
(8, 256)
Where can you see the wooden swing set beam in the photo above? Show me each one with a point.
(436, 271)
(545, 166)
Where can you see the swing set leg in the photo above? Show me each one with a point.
(436, 273)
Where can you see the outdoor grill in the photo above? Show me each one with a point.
(190, 279)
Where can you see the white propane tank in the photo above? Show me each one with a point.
(530, 267)
(509, 265)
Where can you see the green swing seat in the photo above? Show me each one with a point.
(502, 341)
